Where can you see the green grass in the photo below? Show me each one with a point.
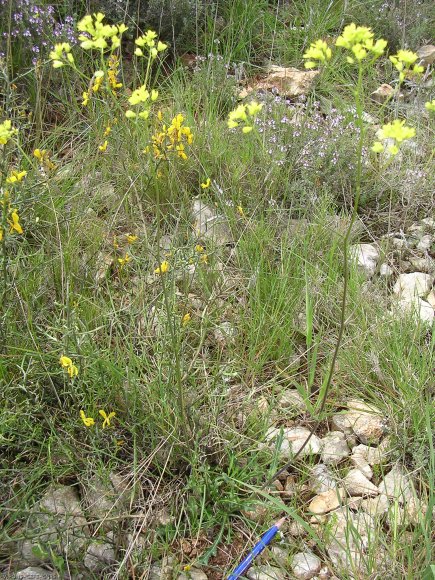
(193, 402)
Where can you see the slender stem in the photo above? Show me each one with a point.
(359, 101)
(185, 419)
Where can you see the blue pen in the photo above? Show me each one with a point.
(256, 550)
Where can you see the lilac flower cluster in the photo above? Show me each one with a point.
(306, 137)
(37, 26)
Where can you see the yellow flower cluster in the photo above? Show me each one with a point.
(163, 268)
(140, 96)
(318, 51)
(6, 131)
(10, 214)
(125, 260)
(113, 72)
(61, 55)
(171, 139)
(97, 34)
(360, 41)
(94, 86)
(397, 131)
(245, 115)
(430, 106)
(43, 156)
(13, 221)
(404, 61)
(90, 421)
(148, 41)
(16, 176)
(67, 364)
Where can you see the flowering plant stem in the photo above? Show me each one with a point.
(183, 415)
(324, 391)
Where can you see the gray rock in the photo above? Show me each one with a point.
(359, 459)
(334, 448)
(366, 420)
(35, 573)
(397, 484)
(305, 565)
(265, 572)
(420, 309)
(425, 243)
(415, 284)
(386, 270)
(375, 506)
(293, 401)
(366, 256)
(348, 540)
(342, 422)
(98, 556)
(297, 437)
(321, 479)
(280, 556)
(106, 498)
(56, 523)
(356, 483)
(425, 265)
(292, 441)
(426, 54)
(209, 225)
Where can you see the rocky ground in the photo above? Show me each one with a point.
(353, 495)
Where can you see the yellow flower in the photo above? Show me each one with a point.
(206, 184)
(16, 176)
(240, 211)
(186, 319)
(85, 96)
(430, 106)
(377, 147)
(163, 268)
(1, 233)
(396, 131)
(130, 114)
(125, 260)
(44, 158)
(199, 249)
(318, 51)
(98, 33)
(70, 367)
(97, 81)
(39, 154)
(359, 40)
(88, 421)
(6, 131)
(244, 114)
(107, 131)
(106, 418)
(15, 222)
(112, 73)
(61, 54)
(130, 238)
(103, 147)
(403, 61)
(203, 259)
(139, 95)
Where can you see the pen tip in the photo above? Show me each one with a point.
(280, 522)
